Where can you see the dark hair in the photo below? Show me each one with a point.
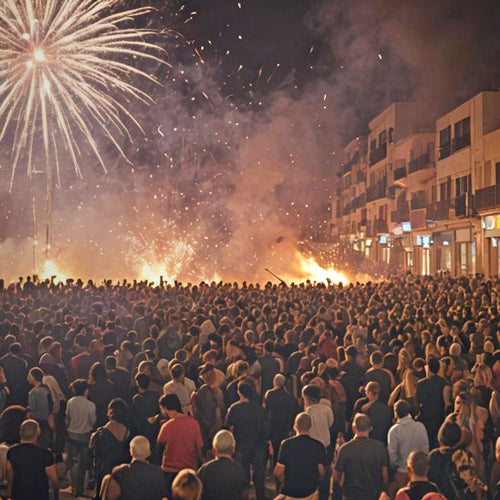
(434, 365)
(37, 374)
(312, 393)
(171, 402)
(177, 371)
(402, 408)
(118, 411)
(110, 362)
(376, 358)
(98, 371)
(245, 389)
(351, 351)
(143, 381)
(79, 386)
(269, 346)
(449, 434)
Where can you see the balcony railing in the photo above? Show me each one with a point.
(488, 197)
(442, 210)
(420, 162)
(461, 142)
(377, 191)
(445, 151)
(417, 203)
(378, 154)
(399, 173)
(380, 226)
(347, 209)
(400, 215)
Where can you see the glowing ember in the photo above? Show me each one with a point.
(312, 271)
(50, 269)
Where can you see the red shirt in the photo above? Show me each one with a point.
(182, 439)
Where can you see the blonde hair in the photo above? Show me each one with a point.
(186, 486)
(483, 376)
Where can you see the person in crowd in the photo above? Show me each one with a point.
(380, 414)
(187, 486)
(30, 467)
(377, 373)
(248, 422)
(109, 444)
(223, 478)
(281, 407)
(80, 421)
(101, 391)
(144, 408)
(16, 373)
(321, 423)
(301, 462)
(119, 377)
(178, 387)
(40, 405)
(180, 438)
(405, 437)
(269, 367)
(362, 464)
(137, 479)
(419, 485)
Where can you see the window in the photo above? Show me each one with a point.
(391, 135)
(462, 185)
(445, 190)
(444, 137)
(462, 128)
(382, 138)
(373, 145)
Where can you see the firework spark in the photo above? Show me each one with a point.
(65, 73)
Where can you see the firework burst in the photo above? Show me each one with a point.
(66, 69)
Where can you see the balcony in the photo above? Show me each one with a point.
(377, 191)
(461, 142)
(442, 210)
(380, 226)
(378, 154)
(399, 173)
(445, 151)
(420, 163)
(347, 209)
(430, 212)
(417, 203)
(488, 197)
(360, 177)
(461, 205)
(401, 215)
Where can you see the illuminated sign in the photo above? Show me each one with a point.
(491, 222)
(406, 227)
(383, 240)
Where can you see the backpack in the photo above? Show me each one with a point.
(106, 451)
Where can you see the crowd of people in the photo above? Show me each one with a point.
(234, 391)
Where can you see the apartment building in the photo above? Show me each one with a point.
(429, 199)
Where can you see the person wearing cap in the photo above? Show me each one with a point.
(419, 485)
(452, 468)
(223, 477)
(361, 468)
(300, 465)
(281, 407)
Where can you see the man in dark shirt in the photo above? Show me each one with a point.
(430, 395)
(269, 367)
(362, 464)
(29, 466)
(281, 408)
(139, 479)
(248, 421)
(419, 485)
(351, 379)
(144, 407)
(223, 478)
(378, 374)
(380, 414)
(301, 461)
(119, 377)
(16, 373)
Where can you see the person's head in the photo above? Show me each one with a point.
(303, 423)
(449, 435)
(418, 465)
(79, 387)
(279, 381)
(170, 405)
(118, 411)
(463, 403)
(97, 372)
(268, 346)
(311, 395)
(140, 448)
(186, 486)
(142, 381)
(29, 431)
(110, 363)
(377, 359)
(15, 348)
(434, 366)
(245, 391)
(35, 376)
(372, 391)
(361, 425)
(351, 352)
(177, 372)
(401, 409)
(455, 350)
(223, 444)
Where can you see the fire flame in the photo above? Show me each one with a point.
(50, 269)
(309, 269)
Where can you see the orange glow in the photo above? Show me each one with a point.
(309, 269)
(50, 269)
